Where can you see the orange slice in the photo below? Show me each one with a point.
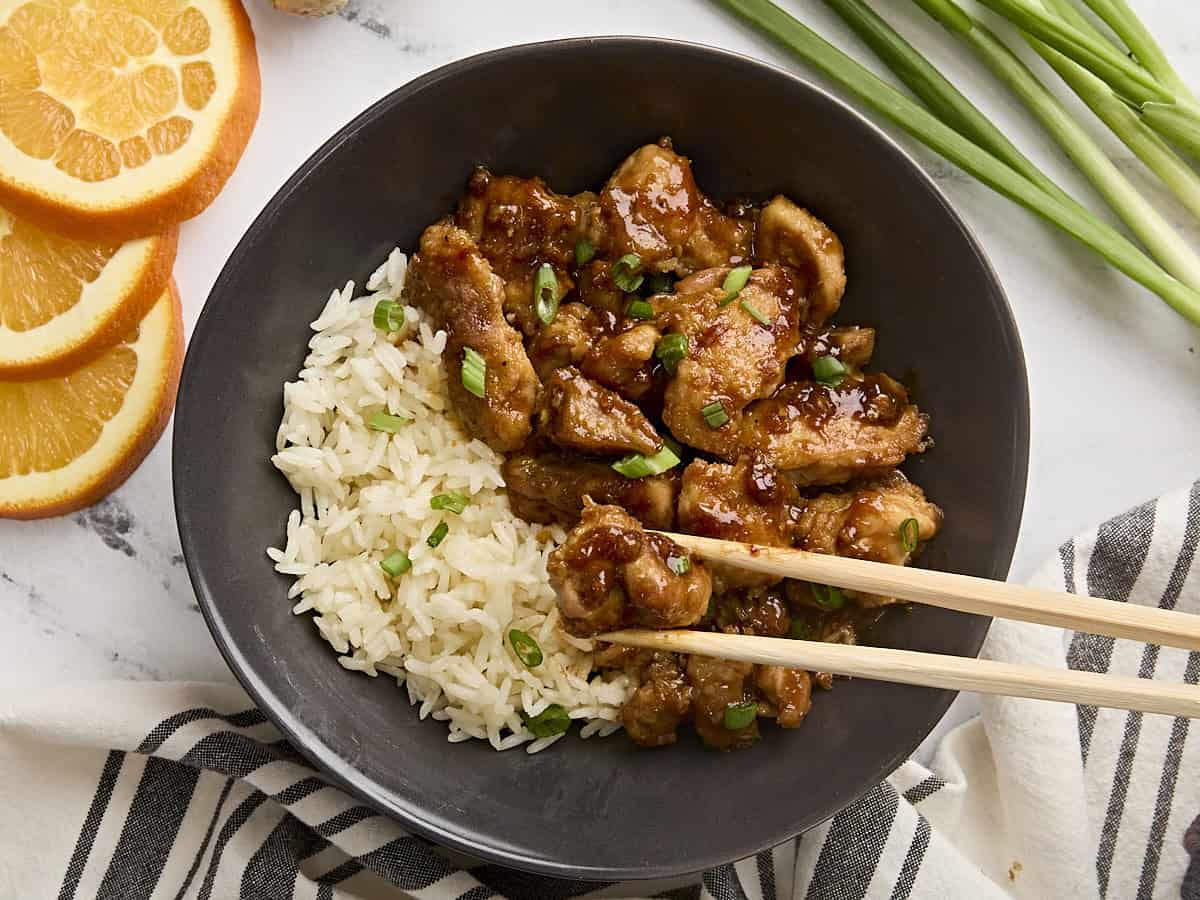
(68, 441)
(64, 301)
(122, 118)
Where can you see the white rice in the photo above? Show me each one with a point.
(440, 629)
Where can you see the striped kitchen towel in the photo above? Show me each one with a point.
(138, 790)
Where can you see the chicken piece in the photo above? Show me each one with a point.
(826, 434)
(791, 236)
(653, 713)
(624, 361)
(733, 358)
(566, 340)
(758, 612)
(716, 685)
(519, 223)
(597, 291)
(652, 207)
(787, 691)
(551, 488)
(449, 278)
(853, 345)
(578, 414)
(610, 573)
(866, 524)
(750, 501)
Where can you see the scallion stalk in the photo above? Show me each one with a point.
(1118, 16)
(935, 90)
(1096, 55)
(1122, 120)
(1164, 242)
(923, 125)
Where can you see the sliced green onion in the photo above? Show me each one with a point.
(754, 311)
(638, 466)
(660, 283)
(676, 447)
(799, 630)
(714, 414)
(923, 125)
(639, 309)
(672, 350)
(474, 373)
(453, 501)
(740, 715)
(624, 273)
(828, 597)
(680, 565)
(396, 563)
(584, 251)
(829, 370)
(438, 534)
(550, 721)
(381, 421)
(910, 534)
(525, 647)
(545, 293)
(389, 315)
(734, 282)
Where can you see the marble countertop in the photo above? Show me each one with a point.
(1115, 375)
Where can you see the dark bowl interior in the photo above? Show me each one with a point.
(570, 111)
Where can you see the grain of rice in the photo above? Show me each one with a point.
(438, 630)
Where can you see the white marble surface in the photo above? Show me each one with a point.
(1115, 375)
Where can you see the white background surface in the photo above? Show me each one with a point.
(1114, 374)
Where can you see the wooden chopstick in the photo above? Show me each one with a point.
(929, 670)
(1078, 612)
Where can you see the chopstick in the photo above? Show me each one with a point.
(982, 596)
(929, 670)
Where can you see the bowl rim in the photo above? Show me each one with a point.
(306, 741)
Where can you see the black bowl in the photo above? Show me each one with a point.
(570, 111)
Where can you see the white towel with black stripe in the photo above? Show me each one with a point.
(177, 791)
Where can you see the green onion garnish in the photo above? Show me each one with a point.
(639, 466)
(545, 293)
(753, 310)
(381, 421)
(734, 282)
(474, 373)
(740, 715)
(829, 370)
(828, 597)
(389, 315)
(639, 309)
(550, 721)
(680, 565)
(799, 630)
(714, 414)
(671, 351)
(624, 273)
(660, 283)
(396, 563)
(584, 251)
(453, 501)
(525, 647)
(910, 534)
(438, 534)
